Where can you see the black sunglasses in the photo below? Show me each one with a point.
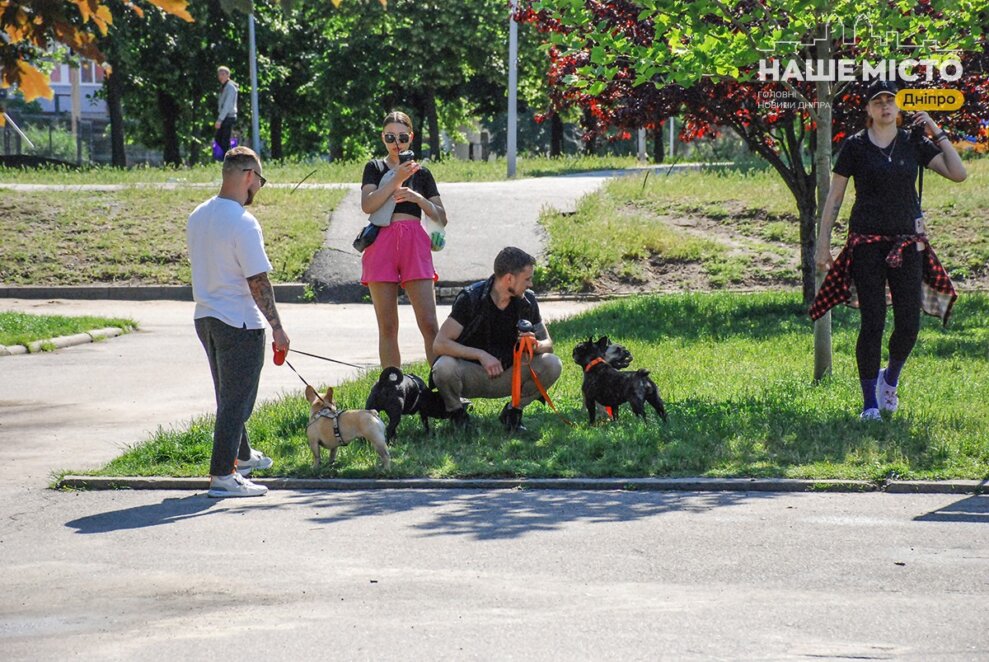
(259, 175)
(402, 138)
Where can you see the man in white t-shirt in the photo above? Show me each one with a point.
(233, 299)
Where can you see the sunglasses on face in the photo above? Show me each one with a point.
(258, 175)
(402, 138)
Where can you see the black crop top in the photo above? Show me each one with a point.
(421, 182)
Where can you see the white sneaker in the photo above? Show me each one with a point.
(258, 461)
(871, 414)
(887, 394)
(234, 485)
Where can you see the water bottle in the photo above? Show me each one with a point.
(437, 234)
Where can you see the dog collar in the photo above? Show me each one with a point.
(334, 416)
(593, 363)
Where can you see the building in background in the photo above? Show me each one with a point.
(91, 77)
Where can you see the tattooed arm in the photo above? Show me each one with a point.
(264, 297)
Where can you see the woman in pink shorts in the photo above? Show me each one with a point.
(401, 256)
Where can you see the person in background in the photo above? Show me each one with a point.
(226, 109)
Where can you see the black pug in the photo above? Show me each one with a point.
(397, 394)
(614, 354)
(605, 385)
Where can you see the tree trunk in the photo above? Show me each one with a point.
(434, 126)
(657, 144)
(276, 132)
(822, 167)
(807, 204)
(590, 145)
(556, 135)
(421, 119)
(114, 101)
(169, 111)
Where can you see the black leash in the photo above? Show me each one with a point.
(324, 358)
(289, 364)
(303, 179)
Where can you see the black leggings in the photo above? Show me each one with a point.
(870, 274)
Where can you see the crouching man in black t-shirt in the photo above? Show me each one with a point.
(476, 342)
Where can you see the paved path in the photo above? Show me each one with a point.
(483, 219)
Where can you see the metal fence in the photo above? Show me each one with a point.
(50, 136)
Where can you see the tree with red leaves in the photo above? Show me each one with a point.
(625, 63)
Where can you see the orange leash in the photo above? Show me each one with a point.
(526, 346)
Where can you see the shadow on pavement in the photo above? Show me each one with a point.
(169, 511)
(973, 509)
(507, 515)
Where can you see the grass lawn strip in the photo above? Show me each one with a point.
(735, 371)
(703, 230)
(337, 172)
(137, 236)
(24, 329)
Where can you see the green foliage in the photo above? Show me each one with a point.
(55, 143)
(735, 373)
(23, 328)
(326, 75)
(168, 69)
(698, 39)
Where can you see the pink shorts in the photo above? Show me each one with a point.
(399, 254)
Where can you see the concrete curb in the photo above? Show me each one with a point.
(284, 292)
(626, 484)
(61, 342)
(938, 487)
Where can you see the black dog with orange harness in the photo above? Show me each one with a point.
(605, 385)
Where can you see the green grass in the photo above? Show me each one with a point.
(24, 328)
(714, 229)
(735, 371)
(137, 236)
(337, 172)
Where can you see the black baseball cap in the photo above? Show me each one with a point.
(881, 87)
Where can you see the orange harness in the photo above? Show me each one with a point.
(526, 345)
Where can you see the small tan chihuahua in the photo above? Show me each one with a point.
(332, 429)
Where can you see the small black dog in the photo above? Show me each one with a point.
(605, 385)
(396, 393)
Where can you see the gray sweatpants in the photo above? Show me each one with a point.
(235, 360)
(456, 378)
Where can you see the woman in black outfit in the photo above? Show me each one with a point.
(886, 243)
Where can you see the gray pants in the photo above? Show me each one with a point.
(235, 360)
(458, 377)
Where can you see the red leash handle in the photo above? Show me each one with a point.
(526, 345)
(279, 354)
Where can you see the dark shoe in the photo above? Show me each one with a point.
(511, 418)
(460, 419)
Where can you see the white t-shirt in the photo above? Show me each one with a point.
(226, 248)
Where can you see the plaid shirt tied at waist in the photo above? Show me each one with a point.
(937, 293)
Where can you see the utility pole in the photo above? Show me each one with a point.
(255, 121)
(513, 84)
